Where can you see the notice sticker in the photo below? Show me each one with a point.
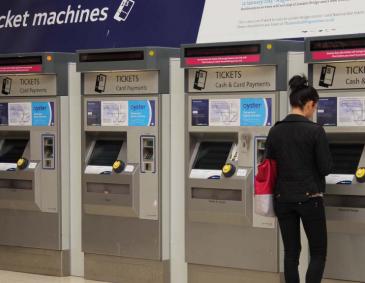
(4, 114)
(200, 112)
(114, 113)
(256, 112)
(224, 112)
(94, 113)
(327, 111)
(20, 114)
(351, 111)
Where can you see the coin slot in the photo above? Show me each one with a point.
(148, 154)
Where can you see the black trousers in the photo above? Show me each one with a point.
(313, 217)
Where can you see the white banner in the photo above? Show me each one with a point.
(237, 20)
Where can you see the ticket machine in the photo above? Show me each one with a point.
(337, 70)
(234, 93)
(126, 163)
(38, 92)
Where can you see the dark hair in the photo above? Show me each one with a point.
(301, 92)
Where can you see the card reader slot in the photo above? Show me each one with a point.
(346, 157)
(12, 149)
(116, 189)
(105, 152)
(212, 155)
(345, 201)
(216, 194)
(15, 184)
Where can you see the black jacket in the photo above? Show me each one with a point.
(303, 157)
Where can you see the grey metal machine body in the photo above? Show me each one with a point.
(35, 100)
(126, 122)
(336, 69)
(234, 93)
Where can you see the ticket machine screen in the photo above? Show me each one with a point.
(346, 157)
(105, 152)
(212, 155)
(12, 149)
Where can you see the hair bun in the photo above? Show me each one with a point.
(298, 82)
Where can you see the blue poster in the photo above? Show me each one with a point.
(327, 111)
(256, 112)
(94, 113)
(4, 121)
(42, 114)
(200, 112)
(39, 25)
(141, 113)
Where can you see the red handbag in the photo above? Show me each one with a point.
(265, 182)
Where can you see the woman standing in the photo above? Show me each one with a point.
(303, 158)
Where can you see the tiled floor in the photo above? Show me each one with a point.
(12, 277)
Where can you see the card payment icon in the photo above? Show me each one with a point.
(100, 83)
(123, 11)
(200, 79)
(6, 87)
(327, 76)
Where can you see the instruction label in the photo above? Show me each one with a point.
(224, 112)
(37, 114)
(327, 111)
(114, 113)
(94, 113)
(351, 111)
(20, 114)
(132, 113)
(200, 112)
(4, 114)
(255, 112)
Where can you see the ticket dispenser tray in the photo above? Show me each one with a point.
(18, 187)
(214, 197)
(108, 191)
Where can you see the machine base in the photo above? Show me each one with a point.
(213, 274)
(36, 261)
(125, 270)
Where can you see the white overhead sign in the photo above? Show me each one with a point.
(250, 20)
